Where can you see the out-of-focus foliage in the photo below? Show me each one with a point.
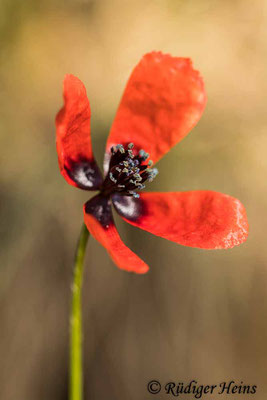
(197, 314)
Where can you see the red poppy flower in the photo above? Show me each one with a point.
(163, 100)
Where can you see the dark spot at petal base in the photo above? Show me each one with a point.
(100, 207)
(128, 207)
(85, 173)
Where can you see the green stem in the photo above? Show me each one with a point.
(76, 370)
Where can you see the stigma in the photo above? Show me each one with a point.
(128, 171)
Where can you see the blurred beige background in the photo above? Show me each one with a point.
(197, 314)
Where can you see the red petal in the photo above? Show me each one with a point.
(163, 100)
(75, 154)
(203, 219)
(99, 221)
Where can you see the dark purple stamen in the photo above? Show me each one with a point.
(127, 171)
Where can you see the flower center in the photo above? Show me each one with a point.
(128, 172)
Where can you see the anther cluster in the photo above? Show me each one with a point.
(127, 171)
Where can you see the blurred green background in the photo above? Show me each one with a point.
(197, 314)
